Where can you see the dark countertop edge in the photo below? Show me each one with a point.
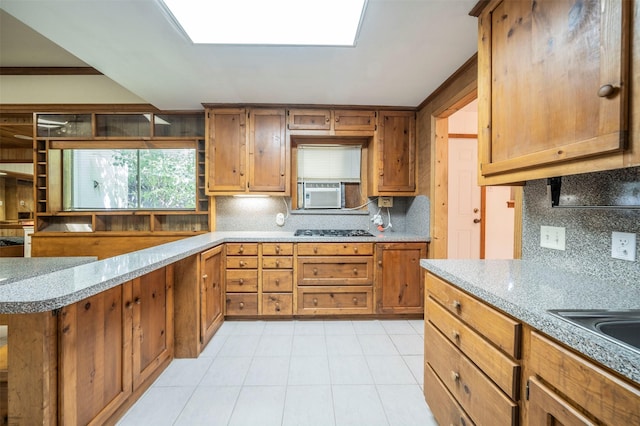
(591, 345)
(171, 252)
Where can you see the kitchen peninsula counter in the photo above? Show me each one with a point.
(70, 282)
(526, 291)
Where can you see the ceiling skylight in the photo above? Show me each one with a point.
(271, 22)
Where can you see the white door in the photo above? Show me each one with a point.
(464, 200)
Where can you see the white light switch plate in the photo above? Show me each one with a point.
(623, 246)
(552, 237)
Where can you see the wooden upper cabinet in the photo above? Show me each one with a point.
(267, 151)
(553, 87)
(247, 151)
(393, 162)
(226, 151)
(330, 122)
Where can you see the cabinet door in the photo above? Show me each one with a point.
(553, 84)
(346, 120)
(211, 291)
(395, 153)
(152, 323)
(95, 356)
(400, 282)
(267, 151)
(546, 407)
(226, 151)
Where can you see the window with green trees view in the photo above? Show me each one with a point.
(134, 179)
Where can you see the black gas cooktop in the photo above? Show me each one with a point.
(332, 233)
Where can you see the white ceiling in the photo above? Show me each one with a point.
(406, 49)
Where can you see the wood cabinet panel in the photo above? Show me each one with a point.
(333, 249)
(335, 270)
(277, 249)
(501, 330)
(277, 304)
(546, 407)
(152, 323)
(226, 159)
(211, 301)
(502, 370)
(240, 281)
(241, 304)
(399, 278)
(246, 249)
(354, 120)
(335, 300)
(548, 92)
(268, 151)
(480, 398)
(95, 375)
(277, 281)
(443, 405)
(309, 119)
(393, 165)
(600, 393)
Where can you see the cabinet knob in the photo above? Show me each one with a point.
(355, 300)
(241, 281)
(606, 91)
(204, 276)
(327, 119)
(355, 249)
(456, 305)
(241, 249)
(315, 271)
(137, 301)
(455, 376)
(241, 263)
(315, 301)
(380, 263)
(277, 281)
(277, 263)
(241, 305)
(355, 271)
(315, 249)
(455, 335)
(476, 220)
(277, 249)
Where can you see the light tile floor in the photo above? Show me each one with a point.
(360, 372)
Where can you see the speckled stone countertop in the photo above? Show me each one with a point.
(51, 290)
(526, 291)
(18, 268)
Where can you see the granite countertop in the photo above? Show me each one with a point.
(50, 289)
(526, 291)
(19, 268)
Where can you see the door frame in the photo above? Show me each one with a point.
(460, 89)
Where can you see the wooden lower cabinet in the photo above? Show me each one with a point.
(399, 279)
(241, 304)
(241, 279)
(211, 300)
(443, 405)
(277, 304)
(335, 300)
(95, 375)
(113, 345)
(565, 388)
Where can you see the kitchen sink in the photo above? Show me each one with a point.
(619, 326)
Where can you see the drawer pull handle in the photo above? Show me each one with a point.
(355, 271)
(205, 276)
(355, 249)
(277, 263)
(455, 335)
(355, 300)
(241, 249)
(277, 249)
(456, 305)
(241, 281)
(241, 305)
(455, 376)
(315, 249)
(277, 281)
(315, 301)
(241, 263)
(380, 263)
(606, 90)
(315, 271)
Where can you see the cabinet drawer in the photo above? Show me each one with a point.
(277, 304)
(241, 304)
(335, 300)
(333, 249)
(277, 281)
(495, 326)
(277, 249)
(309, 119)
(239, 281)
(443, 405)
(495, 364)
(354, 120)
(608, 398)
(335, 270)
(276, 262)
(242, 262)
(471, 388)
(247, 249)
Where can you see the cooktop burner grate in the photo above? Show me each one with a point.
(332, 233)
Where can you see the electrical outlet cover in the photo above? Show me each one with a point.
(280, 219)
(623, 246)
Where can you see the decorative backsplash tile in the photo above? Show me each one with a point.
(588, 231)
